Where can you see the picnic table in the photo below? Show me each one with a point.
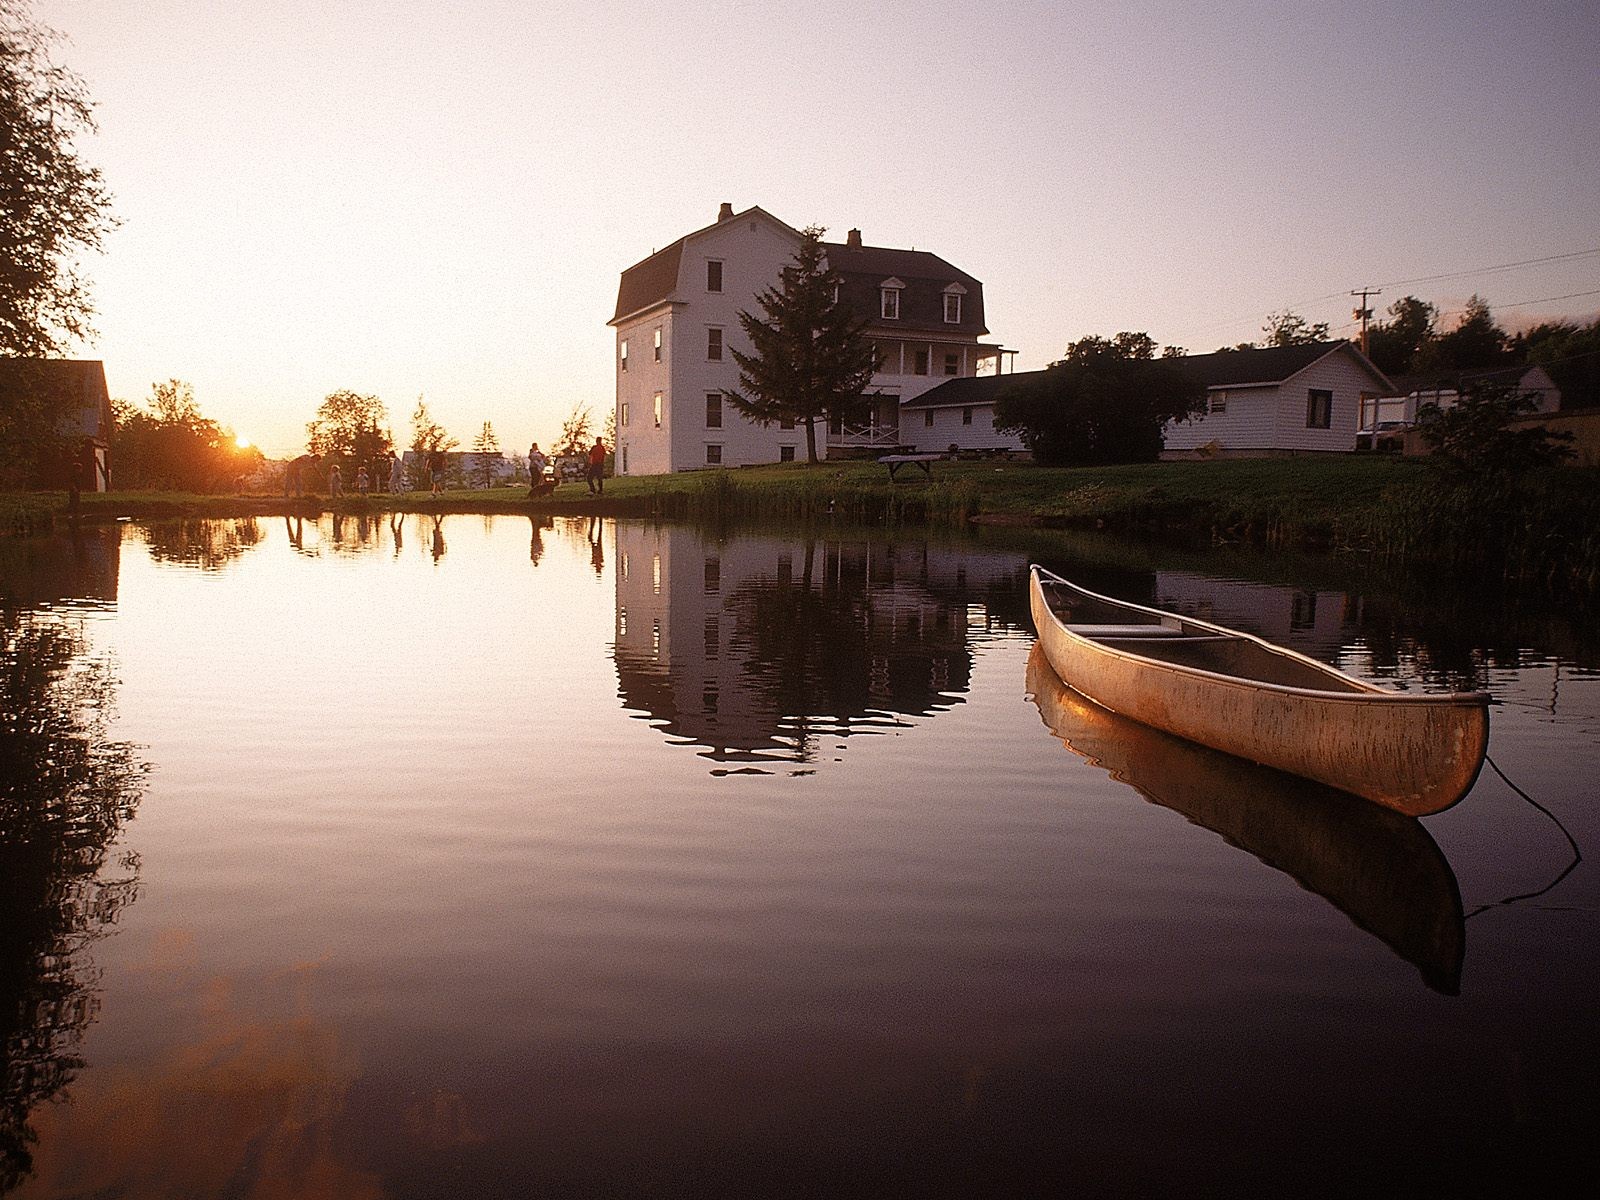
(895, 461)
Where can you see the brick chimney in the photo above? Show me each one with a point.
(853, 239)
(725, 213)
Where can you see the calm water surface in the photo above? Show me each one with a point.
(502, 858)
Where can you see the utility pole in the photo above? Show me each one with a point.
(1364, 314)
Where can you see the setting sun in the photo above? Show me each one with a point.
(242, 442)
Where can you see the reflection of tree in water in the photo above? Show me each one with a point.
(65, 792)
(208, 544)
(841, 647)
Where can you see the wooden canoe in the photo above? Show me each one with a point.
(1382, 870)
(1232, 691)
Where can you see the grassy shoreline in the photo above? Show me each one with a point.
(1543, 529)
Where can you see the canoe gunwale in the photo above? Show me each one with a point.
(1369, 693)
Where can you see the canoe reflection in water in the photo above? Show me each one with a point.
(1381, 869)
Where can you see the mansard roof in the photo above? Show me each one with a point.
(925, 278)
(653, 280)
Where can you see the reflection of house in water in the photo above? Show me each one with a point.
(757, 647)
(1316, 623)
(80, 566)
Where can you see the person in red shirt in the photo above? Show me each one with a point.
(597, 468)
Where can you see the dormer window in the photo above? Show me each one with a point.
(889, 299)
(952, 303)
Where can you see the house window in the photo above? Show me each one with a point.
(951, 364)
(624, 460)
(927, 419)
(658, 409)
(713, 410)
(713, 276)
(966, 416)
(920, 362)
(952, 308)
(623, 415)
(622, 354)
(713, 455)
(714, 344)
(658, 345)
(1319, 409)
(890, 303)
(785, 422)
(1217, 403)
(785, 453)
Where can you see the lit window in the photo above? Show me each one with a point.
(951, 364)
(714, 344)
(713, 455)
(920, 362)
(785, 453)
(623, 416)
(658, 409)
(927, 419)
(622, 354)
(713, 410)
(1319, 409)
(713, 276)
(966, 416)
(952, 308)
(658, 345)
(891, 303)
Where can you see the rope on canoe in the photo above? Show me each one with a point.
(1577, 854)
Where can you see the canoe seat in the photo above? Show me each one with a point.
(1125, 631)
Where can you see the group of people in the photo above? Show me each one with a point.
(594, 470)
(387, 472)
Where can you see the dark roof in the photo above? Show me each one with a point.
(1269, 365)
(969, 389)
(925, 276)
(1446, 380)
(643, 284)
(81, 380)
(652, 280)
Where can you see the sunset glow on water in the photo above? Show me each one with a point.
(507, 857)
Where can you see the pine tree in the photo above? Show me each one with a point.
(487, 448)
(809, 356)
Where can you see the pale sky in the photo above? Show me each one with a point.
(411, 198)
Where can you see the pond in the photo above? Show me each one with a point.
(497, 857)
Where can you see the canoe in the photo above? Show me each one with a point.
(1382, 870)
(1415, 753)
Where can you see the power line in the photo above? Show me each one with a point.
(1527, 262)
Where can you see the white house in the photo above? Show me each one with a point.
(1281, 400)
(677, 321)
(1443, 388)
(960, 413)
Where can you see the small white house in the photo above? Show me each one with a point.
(1277, 401)
(959, 413)
(1444, 388)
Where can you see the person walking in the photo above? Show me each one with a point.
(597, 468)
(335, 482)
(363, 481)
(436, 471)
(397, 473)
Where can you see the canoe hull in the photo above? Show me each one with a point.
(1415, 754)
